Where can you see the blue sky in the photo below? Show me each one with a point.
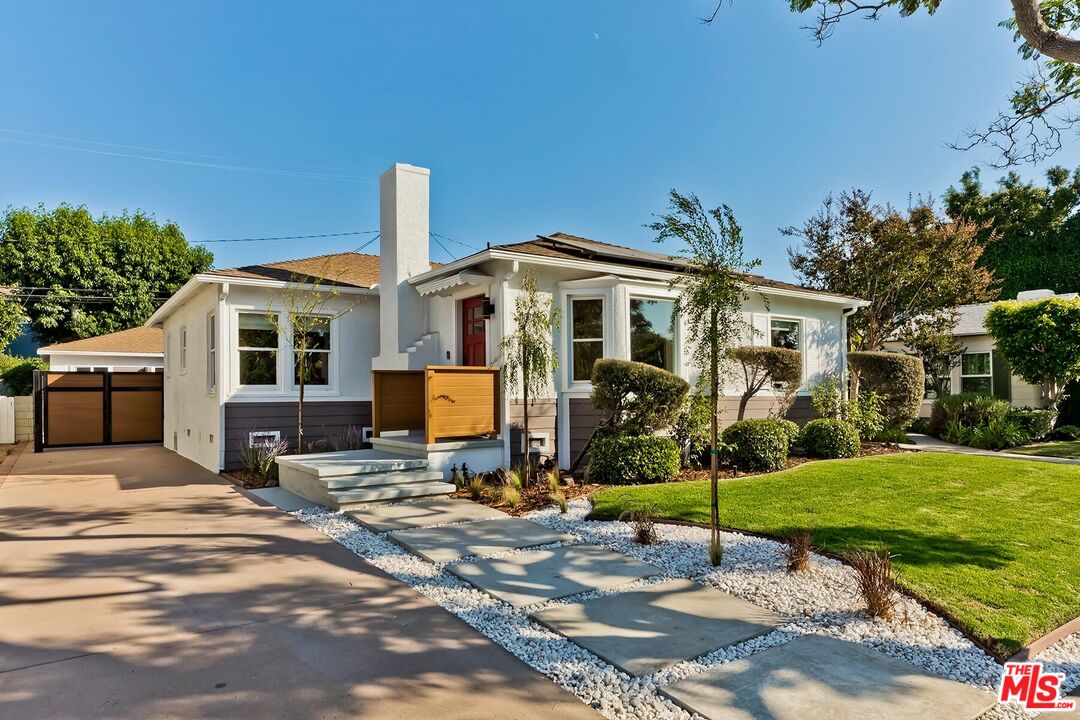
(572, 116)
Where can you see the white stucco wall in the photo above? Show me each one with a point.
(192, 418)
(67, 362)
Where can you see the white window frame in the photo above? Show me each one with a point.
(802, 341)
(990, 374)
(166, 356)
(604, 304)
(676, 352)
(183, 349)
(211, 352)
(237, 348)
(331, 366)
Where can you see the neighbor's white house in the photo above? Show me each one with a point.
(982, 368)
(137, 349)
(407, 321)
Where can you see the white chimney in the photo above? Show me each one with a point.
(403, 239)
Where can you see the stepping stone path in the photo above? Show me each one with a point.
(642, 631)
(531, 577)
(405, 516)
(820, 677)
(484, 537)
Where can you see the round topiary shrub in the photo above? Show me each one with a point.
(1036, 423)
(829, 438)
(757, 444)
(899, 378)
(793, 431)
(634, 459)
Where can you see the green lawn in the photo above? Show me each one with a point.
(1058, 449)
(991, 542)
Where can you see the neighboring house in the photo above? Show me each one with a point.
(230, 374)
(982, 368)
(137, 349)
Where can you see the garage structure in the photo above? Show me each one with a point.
(93, 407)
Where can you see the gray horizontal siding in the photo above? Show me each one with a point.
(321, 419)
(542, 419)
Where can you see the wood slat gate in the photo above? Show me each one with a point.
(96, 408)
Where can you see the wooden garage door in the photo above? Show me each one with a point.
(97, 408)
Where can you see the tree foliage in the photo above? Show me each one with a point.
(910, 266)
(1041, 106)
(1031, 232)
(897, 378)
(712, 289)
(636, 398)
(940, 351)
(1040, 339)
(762, 365)
(12, 318)
(527, 354)
(78, 276)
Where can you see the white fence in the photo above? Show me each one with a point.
(16, 419)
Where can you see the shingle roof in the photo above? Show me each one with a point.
(348, 268)
(143, 340)
(573, 247)
(971, 318)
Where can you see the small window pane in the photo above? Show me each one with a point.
(317, 368)
(980, 385)
(652, 333)
(588, 318)
(318, 338)
(585, 354)
(256, 331)
(975, 364)
(258, 367)
(784, 334)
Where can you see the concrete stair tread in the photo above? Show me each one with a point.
(345, 482)
(390, 492)
(352, 462)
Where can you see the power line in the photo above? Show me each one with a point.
(286, 237)
(439, 243)
(450, 239)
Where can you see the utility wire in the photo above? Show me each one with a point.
(286, 237)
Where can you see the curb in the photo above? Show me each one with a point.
(9, 462)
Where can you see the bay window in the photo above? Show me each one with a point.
(652, 332)
(586, 336)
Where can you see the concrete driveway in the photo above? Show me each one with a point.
(134, 584)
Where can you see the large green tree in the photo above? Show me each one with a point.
(912, 266)
(1031, 231)
(12, 318)
(78, 276)
(1040, 339)
(1042, 106)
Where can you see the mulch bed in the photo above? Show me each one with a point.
(534, 497)
(245, 478)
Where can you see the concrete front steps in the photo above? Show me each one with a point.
(358, 477)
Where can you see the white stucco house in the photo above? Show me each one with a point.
(410, 351)
(138, 349)
(982, 368)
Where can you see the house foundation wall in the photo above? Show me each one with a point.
(322, 419)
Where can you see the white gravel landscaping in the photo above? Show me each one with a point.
(823, 600)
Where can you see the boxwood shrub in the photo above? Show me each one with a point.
(758, 444)
(899, 378)
(1035, 423)
(633, 459)
(635, 398)
(829, 438)
(968, 410)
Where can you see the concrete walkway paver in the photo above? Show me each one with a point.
(926, 443)
(527, 578)
(642, 631)
(484, 537)
(409, 515)
(827, 679)
(135, 584)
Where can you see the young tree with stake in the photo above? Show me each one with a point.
(712, 291)
(528, 354)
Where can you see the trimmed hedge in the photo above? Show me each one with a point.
(966, 410)
(17, 373)
(830, 438)
(632, 460)
(899, 378)
(1033, 422)
(757, 444)
(636, 398)
(793, 431)
(1066, 432)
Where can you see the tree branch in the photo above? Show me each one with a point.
(1031, 24)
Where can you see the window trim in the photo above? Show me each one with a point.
(989, 374)
(331, 366)
(211, 352)
(237, 348)
(676, 340)
(571, 298)
(183, 349)
(802, 344)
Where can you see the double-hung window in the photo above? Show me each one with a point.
(257, 344)
(211, 352)
(652, 332)
(976, 373)
(785, 334)
(586, 336)
(316, 341)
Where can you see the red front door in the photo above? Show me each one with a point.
(473, 340)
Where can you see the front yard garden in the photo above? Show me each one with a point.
(990, 543)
